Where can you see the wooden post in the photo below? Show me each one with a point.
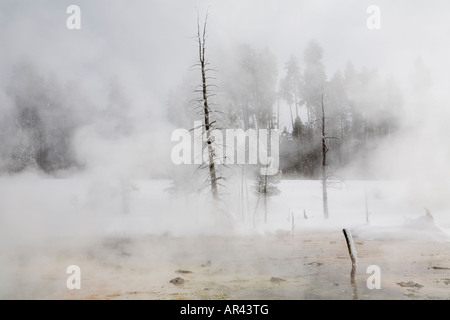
(293, 224)
(353, 257)
(350, 246)
(367, 206)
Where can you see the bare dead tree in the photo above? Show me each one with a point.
(206, 110)
(263, 182)
(367, 205)
(325, 165)
(292, 224)
(278, 109)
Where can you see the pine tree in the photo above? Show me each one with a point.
(313, 80)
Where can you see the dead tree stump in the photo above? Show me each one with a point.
(353, 257)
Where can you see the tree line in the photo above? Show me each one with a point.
(362, 107)
(41, 116)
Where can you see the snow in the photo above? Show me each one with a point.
(416, 229)
(32, 208)
(123, 231)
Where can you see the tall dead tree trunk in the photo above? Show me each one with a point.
(278, 110)
(324, 164)
(292, 117)
(367, 206)
(265, 196)
(206, 109)
(266, 178)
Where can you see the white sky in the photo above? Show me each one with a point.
(149, 47)
(149, 44)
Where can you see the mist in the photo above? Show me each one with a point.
(87, 117)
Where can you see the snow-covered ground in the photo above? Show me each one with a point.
(34, 208)
(131, 237)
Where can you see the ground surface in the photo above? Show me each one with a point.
(130, 238)
(306, 266)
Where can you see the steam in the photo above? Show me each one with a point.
(114, 79)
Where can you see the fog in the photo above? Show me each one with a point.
(108, 96)
(149, 46)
